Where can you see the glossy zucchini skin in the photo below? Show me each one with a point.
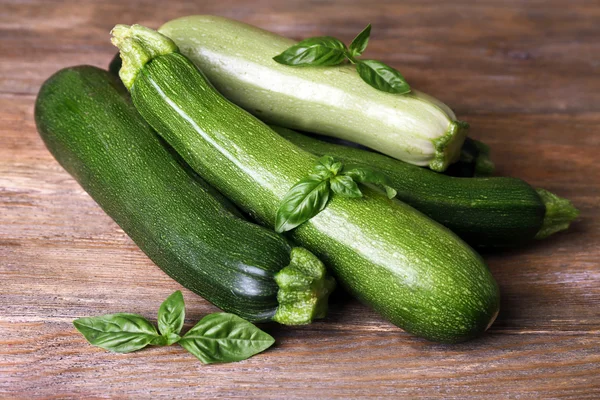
(87, 122)
(412, 270)
(238, 59)
(490, 212)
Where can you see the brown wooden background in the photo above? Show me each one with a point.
(526, 75)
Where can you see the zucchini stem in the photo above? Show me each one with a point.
(559, 214)
(138, 45)
(304, 289)
(447, 147)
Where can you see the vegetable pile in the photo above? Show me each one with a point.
(258, 218)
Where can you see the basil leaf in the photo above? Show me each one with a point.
(367, 175)
(158, 341)
(359, 44)
(327, 167)
(121, 333)
(345, 186)
(322, 50)
(322, 172)
(303, 201)
(171, 314)
(381, 76)
(165, 340)
(223, 337)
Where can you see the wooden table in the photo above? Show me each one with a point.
(524, 74)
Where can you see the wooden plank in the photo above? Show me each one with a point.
(306, 363)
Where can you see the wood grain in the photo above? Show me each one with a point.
(524, 74)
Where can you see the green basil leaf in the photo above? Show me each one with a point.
(359, 44)
(323, 50)
(327, 167)
(322, 172)
(381, 76)
(303, 201)
(344, 186)
(166, 340)
(121, 333)
(223, 337)
(363, 174)
(171, 314)
(159, 341)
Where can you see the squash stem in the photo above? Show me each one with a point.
(447, 147)
(304, 289)
(559, 214)
(138, 45)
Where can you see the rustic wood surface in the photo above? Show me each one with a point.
(524, 74)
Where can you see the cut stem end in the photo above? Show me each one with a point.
(448, 147)
(138, 45)
(559, 214)
(304, 289)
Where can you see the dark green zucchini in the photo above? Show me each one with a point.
(491, 212)
(89, 124)
(412, 270)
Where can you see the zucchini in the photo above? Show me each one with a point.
(90, 126)
(489, 212)
(238, 59)
(412, 270)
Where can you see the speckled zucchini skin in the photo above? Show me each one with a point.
(412, 270)
(490, 212)
(95, 133)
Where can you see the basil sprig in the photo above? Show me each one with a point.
(218, 337)
(310, 195)
(327, 51)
